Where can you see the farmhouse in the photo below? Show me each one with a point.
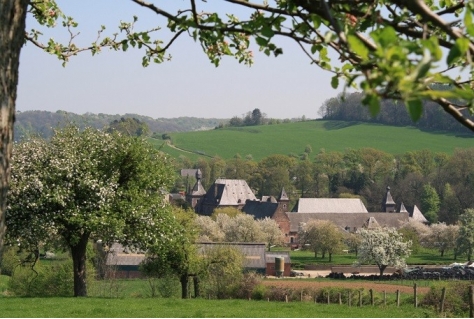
(349, 214)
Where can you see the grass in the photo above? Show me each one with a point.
(195, 308)
(262, 141)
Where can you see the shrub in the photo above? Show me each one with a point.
(46, 280)
(247, 285)
(259, 292)
(43, 280)
(457, 298)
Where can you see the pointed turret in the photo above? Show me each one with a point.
(388, 204)
(283, 200)
(197, 192)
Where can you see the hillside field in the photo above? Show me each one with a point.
(292, 138)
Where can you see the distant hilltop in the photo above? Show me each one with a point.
(30, 123)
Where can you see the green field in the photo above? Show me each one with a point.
(287, 138)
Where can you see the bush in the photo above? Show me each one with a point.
(43, 280)
(52, 279)
(247, 284)
(259, 292)
(457, 298)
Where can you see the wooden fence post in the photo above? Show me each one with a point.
(384, 298)
(329, 298)
(301, 295)
(360, 299)
(398, 298)
(340, 298)
(415, 295)
(371, 297)
(349, 297)
(443, 298)
(471, 301)
(286, 298)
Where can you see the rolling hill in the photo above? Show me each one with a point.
(292, 138)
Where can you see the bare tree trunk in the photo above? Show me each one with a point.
(12, 30)
(382, 268)
(184, 286)
(78, 253)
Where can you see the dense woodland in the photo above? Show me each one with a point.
(349, 107)
(441, 185)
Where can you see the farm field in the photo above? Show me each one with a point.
(292, 138)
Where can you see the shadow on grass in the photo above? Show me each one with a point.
(337, 125)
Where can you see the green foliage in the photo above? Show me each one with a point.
(224, 272)
(430, 203)
(83, 184)
(456, 302)
(130, 127)
(53, 280)
(465, 240)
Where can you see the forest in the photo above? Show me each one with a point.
(349, 107)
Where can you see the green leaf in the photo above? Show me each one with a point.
(261, 41)
(335, 81)
(267, 31)
(358, 46)
(415, 108)
(124, 45)
(453, 55)
(373, 102)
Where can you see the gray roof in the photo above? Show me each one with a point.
(119, 255)
(269, 199)
(330, 205)
(230, 192)
(388, 200)
(270, 256)
(357, 220)
(198, 189)
(418, 215)
(254, 252)
(260, 210)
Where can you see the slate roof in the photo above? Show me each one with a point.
(330, 205)
(270, 256)
(254, 252)
(229, 192)
(260, 210)
(417, 215)
(269, 199)
(357, 220)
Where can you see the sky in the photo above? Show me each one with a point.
(189, 85)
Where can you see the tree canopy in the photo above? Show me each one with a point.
(382, 246)
(85, 185)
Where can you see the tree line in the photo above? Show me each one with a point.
(350, 107)
(439, 184)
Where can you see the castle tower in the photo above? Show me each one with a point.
(194, 195)
(388, 204)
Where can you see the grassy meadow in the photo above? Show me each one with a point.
(292, 138)
(194, 308)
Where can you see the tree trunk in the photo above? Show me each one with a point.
(382, 268)
(78, 253)
(12, 30)
(196, 287)
(184, 286)
(330, 257)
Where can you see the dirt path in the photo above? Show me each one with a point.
(380, 287)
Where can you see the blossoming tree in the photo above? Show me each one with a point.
(382, 246)
(88, 185)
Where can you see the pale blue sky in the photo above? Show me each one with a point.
(116, 83)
